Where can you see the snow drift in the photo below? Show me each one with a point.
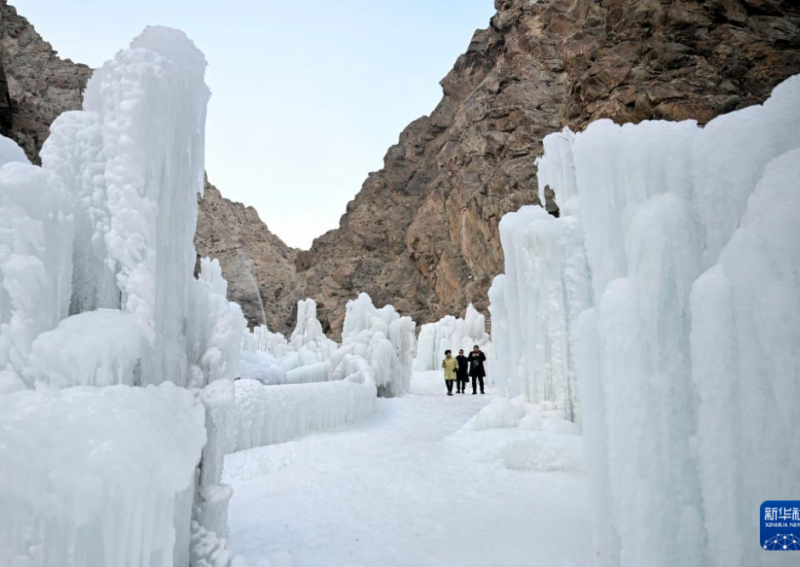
(687, 353)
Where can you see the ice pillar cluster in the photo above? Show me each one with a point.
(384, 339)
(451, 333)
(685, 342)
(116, 363)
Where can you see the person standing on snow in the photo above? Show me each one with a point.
(476, 369)
(462, 375)
(450, 366)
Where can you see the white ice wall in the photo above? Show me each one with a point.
(536, 304)
(451, 333)
(215, 328)
(687, 362)
(103, 232)
(36, 230)
(74, 152)
(96, 348)
(266, 415)
(97, 476)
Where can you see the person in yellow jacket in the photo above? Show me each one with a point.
(450, 366)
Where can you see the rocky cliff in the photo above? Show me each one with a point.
(258, 265)
(35, 84)
(422, 232)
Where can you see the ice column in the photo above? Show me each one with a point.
(538, 300)
(152, 178)
(36, 230)
(688, 362)
(385, 339)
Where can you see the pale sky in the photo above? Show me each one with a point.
(307, 95)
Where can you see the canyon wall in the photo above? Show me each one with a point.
(422, 232)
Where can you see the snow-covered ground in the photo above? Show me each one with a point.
(391, 491)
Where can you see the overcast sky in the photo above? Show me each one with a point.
(307, 95)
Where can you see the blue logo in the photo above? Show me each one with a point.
(780, 525)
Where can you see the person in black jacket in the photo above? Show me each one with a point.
(463, 372)
(476, 369)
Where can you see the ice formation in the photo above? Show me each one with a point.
(384, 339)
(260, 339)
(36, 228)
(98, 295)
(452, 333)
(97, 476)
(522, 436)
(308, 334)
(95, 348)
(686, 346)
(536, 304)
(274, 414)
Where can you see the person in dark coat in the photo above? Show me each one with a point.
(462, 375)
(476, 368)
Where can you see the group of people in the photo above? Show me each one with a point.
(461, 368)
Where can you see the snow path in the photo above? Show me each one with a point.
(389, 491)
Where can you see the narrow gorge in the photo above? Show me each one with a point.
(422, 233)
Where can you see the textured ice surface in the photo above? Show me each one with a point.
(262, 367)
(216, 327)
(103, 233)
(308, 334)
(535, 306)
(74, 152)
(260, 339)
(384, 339)
(96, 348)
(452, 333)
(521, 436)
(93, 476)
(36, 230)
(688, 361)
(274, 414)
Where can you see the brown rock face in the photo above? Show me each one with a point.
(259, 267)
(38, 84)
(422, 233)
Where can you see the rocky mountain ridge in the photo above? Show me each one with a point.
(422, 233)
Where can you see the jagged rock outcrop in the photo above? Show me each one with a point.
(422, 232)
(39, 85)
(259, 267)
